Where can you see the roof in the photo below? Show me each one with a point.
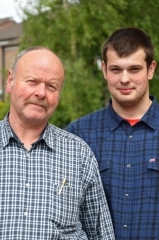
(10, 31)
(5, 20)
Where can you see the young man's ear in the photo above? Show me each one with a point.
(9, 83)
(151, 70)
(104, 69)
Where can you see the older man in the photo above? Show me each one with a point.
(50, 184)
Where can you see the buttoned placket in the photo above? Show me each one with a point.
(127, 186)
(26, 185)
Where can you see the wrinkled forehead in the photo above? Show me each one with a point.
(41, 59)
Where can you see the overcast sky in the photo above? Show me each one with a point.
(9, 8)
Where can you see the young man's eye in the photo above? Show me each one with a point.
(115, 70)
(134, 69)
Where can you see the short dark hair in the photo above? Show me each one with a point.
(126, 41)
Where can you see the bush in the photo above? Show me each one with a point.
(4, 108)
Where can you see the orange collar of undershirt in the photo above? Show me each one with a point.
(132, 121)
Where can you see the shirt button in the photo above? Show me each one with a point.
(128, 166)
(125, 226)
(27, 185)
(28, 155)
(26, 214)
(130, 137)
(126, 195)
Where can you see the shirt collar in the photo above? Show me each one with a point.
(50, 136)
(6, 133)
(114, 118)
(150, 117)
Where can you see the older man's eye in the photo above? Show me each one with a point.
(31, 81)
(52, 87)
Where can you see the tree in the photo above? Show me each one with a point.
(75, 33)
(76, 30)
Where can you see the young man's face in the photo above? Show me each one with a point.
(128, 77)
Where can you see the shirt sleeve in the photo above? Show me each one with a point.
(95, 216)
(70, 128)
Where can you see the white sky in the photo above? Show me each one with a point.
(9, 8)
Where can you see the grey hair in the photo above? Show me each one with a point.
(23, 52)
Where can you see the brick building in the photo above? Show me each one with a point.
(10, 33)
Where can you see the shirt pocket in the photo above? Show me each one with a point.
(64, 205)
(153, 178)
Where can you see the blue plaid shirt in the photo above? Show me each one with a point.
(33, 203)
(128, 159)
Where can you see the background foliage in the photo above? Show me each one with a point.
(76, 30)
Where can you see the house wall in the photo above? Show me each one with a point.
(10, 33)
(0, 68)
(1, 73)
(7, 56)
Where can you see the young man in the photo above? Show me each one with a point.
(50, 184)
(124, 136)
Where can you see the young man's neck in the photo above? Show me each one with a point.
(131, 112)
